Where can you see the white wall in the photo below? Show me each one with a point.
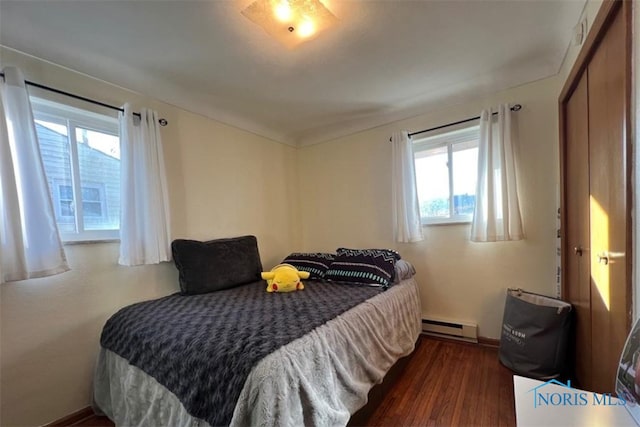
(589, 13)
(345, 195)
(222, 182)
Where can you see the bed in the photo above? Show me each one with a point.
(241, 356)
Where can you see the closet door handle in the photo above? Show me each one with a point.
(578, 250)
(603, 258)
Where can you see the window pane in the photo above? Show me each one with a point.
(432, 176)
(59, 128)
(54, 148)
(103, 142)
(92, 209)
(66, 208)
(99, 161)
(90, 194)
(465, 174)
(66, 192)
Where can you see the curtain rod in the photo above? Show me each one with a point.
(162, 122)
(516, 107)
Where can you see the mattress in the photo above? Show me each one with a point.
(319, 378)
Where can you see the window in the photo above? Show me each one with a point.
(81, 155)
(93, 203)
(446, 174)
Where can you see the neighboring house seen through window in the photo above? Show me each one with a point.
(81, 155)
(446, 175)
(92, 201)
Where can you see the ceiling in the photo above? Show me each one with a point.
(383, 61)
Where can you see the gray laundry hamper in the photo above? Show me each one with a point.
(535, 334)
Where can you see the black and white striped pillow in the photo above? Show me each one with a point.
(369, 266)
(315, 263)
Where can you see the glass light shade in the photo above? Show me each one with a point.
(291, 22)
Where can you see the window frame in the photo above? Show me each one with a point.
(74, 118)
(447, 138)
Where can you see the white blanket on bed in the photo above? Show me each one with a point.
(319, 379)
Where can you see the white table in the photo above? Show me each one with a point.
(541, 404)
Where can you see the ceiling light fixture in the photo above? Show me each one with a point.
(291, 22)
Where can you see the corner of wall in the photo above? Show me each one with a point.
(589, 12)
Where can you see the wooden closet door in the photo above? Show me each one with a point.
(608, 204)
(576, 247)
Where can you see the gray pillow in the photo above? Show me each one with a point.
(217, 264)
(404, 270)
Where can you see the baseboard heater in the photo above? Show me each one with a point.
(450, 329)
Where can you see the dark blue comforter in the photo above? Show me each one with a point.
(203, 347)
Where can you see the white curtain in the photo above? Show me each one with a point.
(144, 221)
(30, 244)
(497, 212)
(406, 209)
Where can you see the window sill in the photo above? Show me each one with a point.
(89, 242)
(447, 221)
(455, 222)
(91, 236)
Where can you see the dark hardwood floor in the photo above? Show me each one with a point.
(450, 383)
(446, 383)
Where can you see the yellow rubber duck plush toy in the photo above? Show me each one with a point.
(284, 278)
